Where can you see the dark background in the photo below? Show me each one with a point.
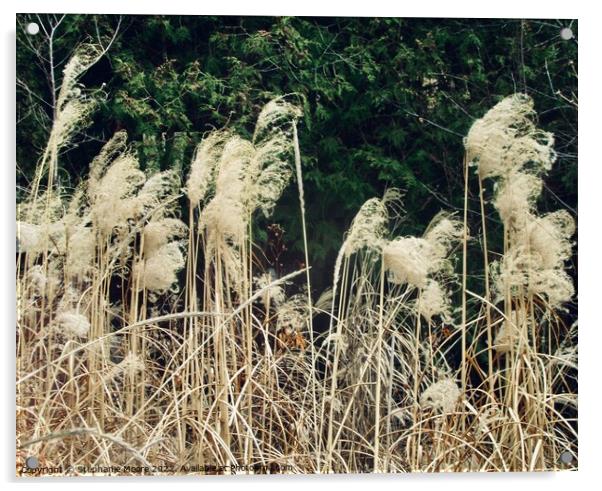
(386, 102)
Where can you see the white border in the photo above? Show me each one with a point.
(590, 182)
(374, 8)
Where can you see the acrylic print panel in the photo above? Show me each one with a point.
(265, 245)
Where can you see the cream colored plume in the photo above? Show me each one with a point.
(157, 233)
(80, 253)
(162, 254)
(272, 295)
(204, 164)
(248, 176)
(506, 139)
(520, 273)
(516, 197)
(274, 115)
(433, 301)
(409, 260)
(412, 259)
(159, 270)
(441, 397)
(368, 228)
(73, 324)
(71, 111)
(115, 177)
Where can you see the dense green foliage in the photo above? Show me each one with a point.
(386, 101)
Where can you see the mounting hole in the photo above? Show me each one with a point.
(32, 462)
(566, 457)
(32, 28)
(566, 33)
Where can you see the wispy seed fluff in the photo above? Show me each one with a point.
(72, 110)
(268, 175)
(29, 237)
(412, 259)
(506, 139)
(534, 263)
(119, 191)
(131, 364)
(115, 177)
(157, 233)
(162, 255)
(249, 175)
(80, 253)
(516, 197)
(441, 396)
(368, 227)
(407, 260)
(40, 224)
(157, 193)
(80, 238)
(72, 107)
(434, 300)
(367, 230)
(42, 282)
(35, 239)
(225, 217)
(204, 164)
(506, 144)
(548, 237)
(520, 274)
(275, 114)
(443, 232)
(73, 324)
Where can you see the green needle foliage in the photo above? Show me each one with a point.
(386, 102)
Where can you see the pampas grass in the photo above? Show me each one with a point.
(145, 339)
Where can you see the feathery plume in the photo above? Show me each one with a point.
(368, 227)
(159, 270)
(29, 238)
(520, 272)
(157, 192)
(73, 324)
(506, 139)
(408, 260)
(111, 150)
(269, 174)
(113, 195)
(548, 238)
(412, 259)
(80, 253)
(516, 197)
(443, 232)
(129, 366)
(434, 300)
(273, 115)
(42, 282)
(71, 111)
(72, 107)
(204, 163)
(157, 233)
(36, 239)
(441, 397)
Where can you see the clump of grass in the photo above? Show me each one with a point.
(145, 337)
